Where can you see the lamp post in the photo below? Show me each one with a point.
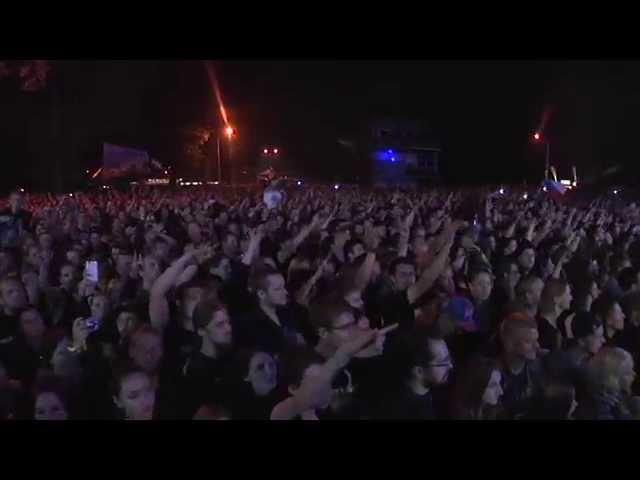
(230, 133)
(538, 137)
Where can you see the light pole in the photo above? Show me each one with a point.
(231, 133)
(537, 137)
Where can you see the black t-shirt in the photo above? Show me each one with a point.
(407, 405)
(395, 308)
(205, 381)
(234, 291)
(257, 331)
(519, 389)
(179, 344)
(246, 405)
(549, 338)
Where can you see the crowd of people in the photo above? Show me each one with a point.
(318, 303)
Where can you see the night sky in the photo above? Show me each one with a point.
(482, 111)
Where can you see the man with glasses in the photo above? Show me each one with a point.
(423, 364)
(361, 380)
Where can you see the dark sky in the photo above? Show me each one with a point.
(482, 111)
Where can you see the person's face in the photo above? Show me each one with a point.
(126, 323)
(627, 375)
(534, 292)
(404, 276)
(564, 302)
(511, 247)
(355, 300)
(616, 317)
(151, 268)
(195, 235)
(161, 250)
(526, 343)
(527, 259)
(46, 241)
(73, 257)
(513, 277)
(437, 373)
(223, 269)
(356, 251)
(230, 246)
(263, 373)
(123, 265)
(146, 351)
(493, 392)
(32, 324)
(34, 257)
(381, 231)
(14, 295)
(66, 277)
(137, 397)
(481, 287)
(492, 243)
(595, 341)
(276, 293)
(49, 407)
(234, 228)
(99, 307)
(95, 239)
(595, 291)
(219, 331)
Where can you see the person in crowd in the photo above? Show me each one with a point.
(556, 299)
(610, 378)
(205, 370)
(255, 389)
(347, 303)
(424, 365)
(610, 313)
(477, 390)
(134, 393)
(519, 365)
(50, 400)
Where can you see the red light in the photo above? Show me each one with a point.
(275, 150)
(230, 131)
(536, 136)
(265, 151)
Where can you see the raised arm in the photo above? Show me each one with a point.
(431, 274)
(158, 304)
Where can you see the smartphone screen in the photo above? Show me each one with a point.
(91, 271)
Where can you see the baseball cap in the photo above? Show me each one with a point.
(461, 310)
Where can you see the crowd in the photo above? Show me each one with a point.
(320, 303)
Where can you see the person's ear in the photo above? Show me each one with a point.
(117, 402)
(292, 390)
(201, 332)
(418, 371)
(323, 333)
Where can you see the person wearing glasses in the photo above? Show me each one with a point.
(363, 378)
(423, 364)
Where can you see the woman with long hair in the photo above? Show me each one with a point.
(477, 390)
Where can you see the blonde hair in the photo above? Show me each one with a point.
(605, 367)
